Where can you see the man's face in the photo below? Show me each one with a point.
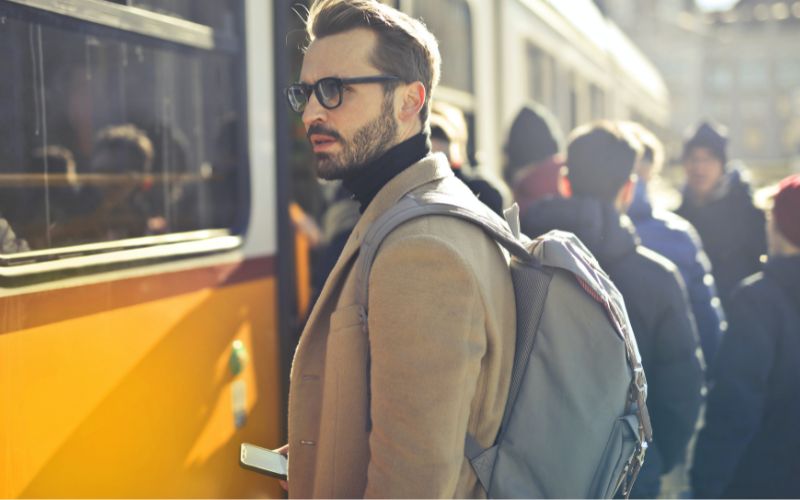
(364, 126)
(703, 171)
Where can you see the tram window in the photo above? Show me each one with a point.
(541, 75)
(106, 136)
(451, 23)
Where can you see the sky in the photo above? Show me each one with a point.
(715, 4)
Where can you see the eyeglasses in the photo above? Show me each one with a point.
(329, 91)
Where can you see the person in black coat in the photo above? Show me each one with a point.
(600, 159)
(674, 237)
(449, 136)
(750, 445)
(719, 204)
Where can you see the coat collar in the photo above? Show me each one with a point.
(429, 169)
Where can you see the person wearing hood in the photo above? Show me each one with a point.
(534, 156)
(719, 204)
(749, 445)
(674, 237)
(600, 160)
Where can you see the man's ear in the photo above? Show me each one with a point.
(413, 98)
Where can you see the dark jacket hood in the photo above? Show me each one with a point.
(599, 226)
(786, 272)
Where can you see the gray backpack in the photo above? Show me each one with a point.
(575, 424)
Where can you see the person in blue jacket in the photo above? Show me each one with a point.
(750, 445)
(676, 239)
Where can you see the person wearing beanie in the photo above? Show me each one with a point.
(449, 136)
(749, 445)
(534, 159)
(600, 160)
(676, 239)
(718, 202)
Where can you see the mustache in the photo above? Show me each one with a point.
(321, 130)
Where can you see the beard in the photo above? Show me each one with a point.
(367, 144)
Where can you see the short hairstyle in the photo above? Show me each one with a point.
(600, 159)
(447, 123)
(405, 47)
(652, 150)
(130, 145)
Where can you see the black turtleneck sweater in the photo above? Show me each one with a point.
(370, 178)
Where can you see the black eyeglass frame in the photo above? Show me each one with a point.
(307, 88)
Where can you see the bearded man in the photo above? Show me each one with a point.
(385, 413)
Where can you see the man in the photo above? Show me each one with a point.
(600, 159)
(386, 415)
(449, 136)
(674, 237)
(749, 445)
(534, 156)
(718, 203)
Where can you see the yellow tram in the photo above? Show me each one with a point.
(139, 332)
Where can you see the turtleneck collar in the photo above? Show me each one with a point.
(370, 179)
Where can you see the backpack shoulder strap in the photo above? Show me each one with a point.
(433, 203)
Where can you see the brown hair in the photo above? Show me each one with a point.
(405, 47)
(600, 159)
(652, 150)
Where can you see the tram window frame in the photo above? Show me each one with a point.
(128, 25)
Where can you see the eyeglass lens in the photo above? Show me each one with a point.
(327, 90)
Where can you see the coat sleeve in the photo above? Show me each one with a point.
(427, 339)
(736, 401)
(706, 307)
(675, 376)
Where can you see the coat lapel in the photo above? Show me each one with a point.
(431, 168)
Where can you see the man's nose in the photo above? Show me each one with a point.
(314, 112)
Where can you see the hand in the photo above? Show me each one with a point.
(283, 450)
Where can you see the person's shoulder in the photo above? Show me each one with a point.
(650, 261)
(757, 286)
(657, 273)
(463, 237)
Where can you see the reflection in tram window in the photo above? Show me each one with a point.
(83, 98)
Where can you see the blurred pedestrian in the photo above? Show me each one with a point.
(534, 156)
(674, 237)
(449, 136)
(600, 160)
(719, 204)
(750, 445)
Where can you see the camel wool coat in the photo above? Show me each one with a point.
(385, 415)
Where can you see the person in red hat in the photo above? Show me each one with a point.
(750, 445)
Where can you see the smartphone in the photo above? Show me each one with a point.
(263, 460)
